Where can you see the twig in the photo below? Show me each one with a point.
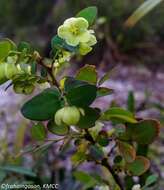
(49, 70)
(104, 161)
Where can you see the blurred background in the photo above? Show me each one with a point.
(137, 53)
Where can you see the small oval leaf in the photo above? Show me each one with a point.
(58, 130)
(127, 151)
(89, 14)
(139, 166)
(87, 73)
(38, 132)
(43, 106)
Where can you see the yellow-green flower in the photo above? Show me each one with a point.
(74, 31)
(85, 48)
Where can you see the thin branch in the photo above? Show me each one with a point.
(49, 70)
(104, 161)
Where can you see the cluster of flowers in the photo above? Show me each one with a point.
(76, 33)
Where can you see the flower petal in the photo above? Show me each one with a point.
(84, 49)
(84, 37)
(63, 31)
(81, 23)
(92, 41)
(72, 40)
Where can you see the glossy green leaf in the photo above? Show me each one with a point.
(43, 106)
(58, 130)
(79, 93)
(87, 73)
(6, 46)
(118, 114)
(38, 132)
(18, 170)
(103, 91)
(151, 180)
(89, 119)
(89, 13)
(139, 166)
(143, 132)
(59, 43)
(144, 9)
(127, 151)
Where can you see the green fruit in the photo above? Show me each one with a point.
(69, 115)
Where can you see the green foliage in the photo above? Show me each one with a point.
(127, 151)
(66, 108)
(144, 131)
(87, 73)
(103, 91)
(118, 114)
(89, 14)
(59, 43)
(18, 170)
(6, 46)
(38, 132)
(39, 109)
(58, 130)
(88, 120)
(79, 93)
(131, 102)
(139, 166)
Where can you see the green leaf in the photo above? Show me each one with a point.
(78, 157)
(79, 93)
(118, 114)
(103, 91)
(25, 47)
(89, 13)
(102, 138)
(143, 132)
(6, 46)
(127, 151)
(89, 119)
(151, 180)
(18, 170)
(59, 43)
(144, 9)
(43, 106)
(2, 175)
(85, 178)
(38, 132)
(87, 73)
(106, 76)
(131, 102)
(58, 130)
(139, 166)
